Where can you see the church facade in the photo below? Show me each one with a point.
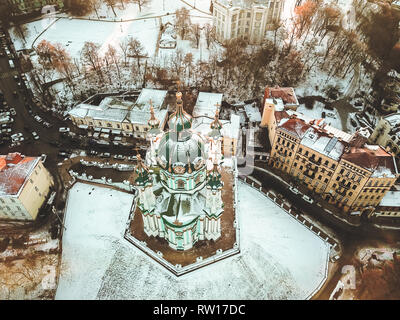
(180, 181)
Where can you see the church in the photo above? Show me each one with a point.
(179, 182)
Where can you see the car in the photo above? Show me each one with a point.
(43, 157)
(5, 114)
(63, 154)
(13, 112)
(119, 157)
(93, 153)
(46, 124)
(335, 258)
(15, 93)
(330, 115)
(323, 114)
(11, 63)
(16, 77)
(35, 135)
(294, 190)
(308, 199)
(105, 155)
(64, 129)
(132, 158)
(38, 119)
(5, 130)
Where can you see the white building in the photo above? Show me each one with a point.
(121, 112)
(247, 19)
(183, 205)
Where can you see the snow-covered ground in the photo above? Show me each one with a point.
(279, 259)
(332, 117)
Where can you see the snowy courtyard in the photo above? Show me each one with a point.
(279, 259)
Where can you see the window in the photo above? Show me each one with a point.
(181, 184)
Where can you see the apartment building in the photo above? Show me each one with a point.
(127, 114)
(24, 186)
(387, 133)
(248, 19)
(342, 168)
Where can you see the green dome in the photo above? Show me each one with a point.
(181, 149)
(179, 120)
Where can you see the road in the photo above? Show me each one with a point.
(351, 238)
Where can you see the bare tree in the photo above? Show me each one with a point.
(136, 49)
(141, 3)
(124, 46)
(196, 31)
(111, 4)
(209, 33)
(182, 21)
(90, 56)
(113, 56)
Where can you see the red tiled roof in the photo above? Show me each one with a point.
(296, 126)
(287, 95)
(14, 170)
(370, 158)
(279, 115)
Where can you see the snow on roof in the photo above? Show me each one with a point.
(231, 129)
(115, 108)
(243, 3)
(323, 143)
(206, 104)
(252, 112)
(391, 199)
(393, 119)
(287, 95)
(278, 102)
(374, 159)
(15, 170)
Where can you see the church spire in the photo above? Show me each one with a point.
(180, 120)
(153, 122)
(142, 172)
(214, 178)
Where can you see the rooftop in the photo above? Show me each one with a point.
(243, 3)
(373, 158)
(206, 104)
(391, 199)
(287, 94)
(15, 169)
(119, 108)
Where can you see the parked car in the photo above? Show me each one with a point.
(38, 119)
(64, 129)
(308, 199)
(294, 190)
(47, 124)
(13, 112)
(105, 155)
(35, 135)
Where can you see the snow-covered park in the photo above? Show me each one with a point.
(279, 259)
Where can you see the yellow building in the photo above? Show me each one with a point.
(24, 186)
(340, 167)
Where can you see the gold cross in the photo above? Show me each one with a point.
(178, 83)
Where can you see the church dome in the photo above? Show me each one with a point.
(183, 151)
(180, 120)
